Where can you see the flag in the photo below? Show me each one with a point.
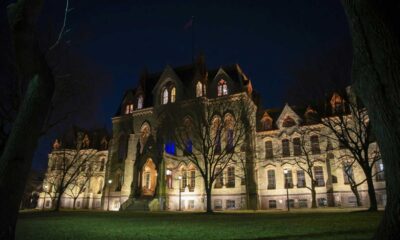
(189, 24)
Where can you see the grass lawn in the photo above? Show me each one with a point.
(320, 224)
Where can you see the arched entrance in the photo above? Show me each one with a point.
(149, 178)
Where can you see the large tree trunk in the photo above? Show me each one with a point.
(208, 197)
(15, 161)
(373, 205)
(313, 197)
(376, 76)
(354, 189)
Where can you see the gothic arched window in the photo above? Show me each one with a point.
(222, 88)
(164, 96)
(288, 122)
(173, 94)
(199, 89)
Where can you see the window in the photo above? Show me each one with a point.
(271, 179)
(266, 122)
(231, 177)
(272, 204)
(165, 96)
(268, 150)
(191, 204)
(229, 142)
(334, 179)
(319, 176)
(217, 204)
(219, 181)
(173, 94)
(170, 148)
(296, 147)
(199, 89)
(322, 202)
(140, 102)
(192, 180)
(147, 180)
(169, 178)
(129, 108)
(230, 204)
(291, 203)
(315, 144)
(217, 148)
(216, 131)
(348, 174)
(288, 179)
(47, 203)
(303, 203)
(301, 179)
(222, 88)
(184, 179)
(285, 148)
(288, 122)
(380, 174)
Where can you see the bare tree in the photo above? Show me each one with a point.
(211, 134)
(350, 128)
(306, 157)
(71, 167)
(82, 182)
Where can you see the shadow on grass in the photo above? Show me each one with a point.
(309, 235)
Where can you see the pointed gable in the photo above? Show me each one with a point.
(288, 118)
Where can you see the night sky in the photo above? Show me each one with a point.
(267, 38)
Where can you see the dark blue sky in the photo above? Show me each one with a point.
(266, 38)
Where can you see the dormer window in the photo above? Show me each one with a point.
(140, 102)
(165, 96)
(288, 122)
(266, 122)
(222, 88)
(336, 103)
(199, 89)
(173, 94)
(129, 108)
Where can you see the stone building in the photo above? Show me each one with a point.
(144, 167)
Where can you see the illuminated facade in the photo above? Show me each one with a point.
(143, 168)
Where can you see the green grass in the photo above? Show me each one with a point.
(322, 224)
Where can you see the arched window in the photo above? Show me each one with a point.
(129, 108)
(222, 88)
(173, 94)
(102, 164)
(288, 122)
(140, 102)
(229, 126)
(199, 89)
(216, 131)
(164, 96)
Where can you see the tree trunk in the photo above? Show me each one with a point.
(58, 204)
(354, 189)
(376, 76)
(373, 205)
(73, 206)
(208, 197)
(313, 197)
